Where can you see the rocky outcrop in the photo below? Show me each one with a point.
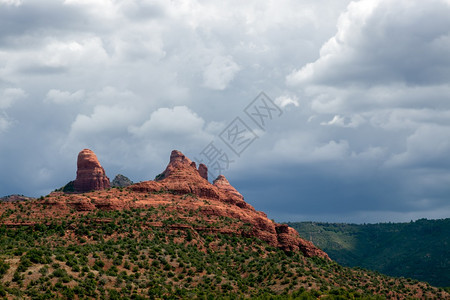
(203, 171)
(181, 177)
(179, 166)
(121, 181)
(181, 195)
(222, 183)
(90, 174)
(229, 193)
(290, 240)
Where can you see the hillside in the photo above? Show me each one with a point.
(178, 236)
(111, 253)
(419, 250)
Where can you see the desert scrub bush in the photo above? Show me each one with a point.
(4, 267)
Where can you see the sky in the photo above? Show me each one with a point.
(327, 110)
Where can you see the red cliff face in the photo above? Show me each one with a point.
(90, 174)
(203, 171)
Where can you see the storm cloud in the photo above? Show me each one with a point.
(364, 87)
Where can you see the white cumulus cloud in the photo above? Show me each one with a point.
(380, 41)
(104, 119)
(179, 120)
(284, 101)
(220, 72)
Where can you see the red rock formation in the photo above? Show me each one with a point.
(90, 174)
(222, 183)
(183, 192)
(179, 162)
(182, 178)
(203, 171)
(290, 240)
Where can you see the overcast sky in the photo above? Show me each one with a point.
(358, 129)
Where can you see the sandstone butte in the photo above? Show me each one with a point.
(181, 190)
(90, 174)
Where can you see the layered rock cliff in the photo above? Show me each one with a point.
(90, 174)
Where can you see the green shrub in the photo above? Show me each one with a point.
(4, 267)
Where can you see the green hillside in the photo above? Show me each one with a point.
(418, 250)
(111, 255)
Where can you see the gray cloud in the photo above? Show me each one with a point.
(380, 87)
(21, 24)
(380, 42)
(363, 85)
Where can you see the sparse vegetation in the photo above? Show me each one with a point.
(120, 255)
